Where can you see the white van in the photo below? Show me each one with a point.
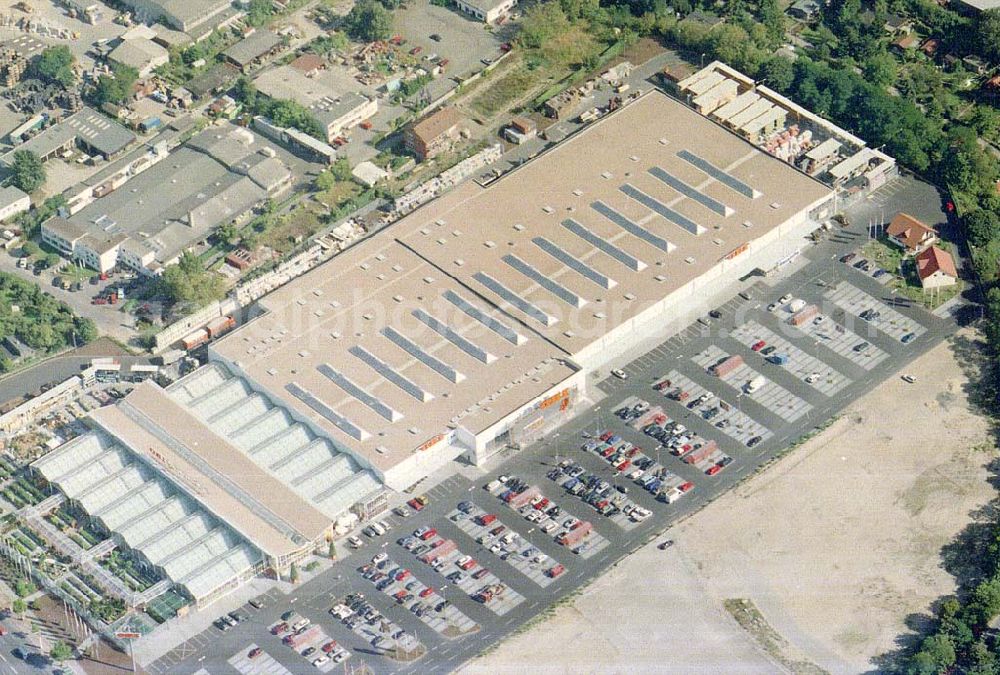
(299, 625)
(755, 384)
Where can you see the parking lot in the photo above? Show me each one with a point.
(460, 39)
(623, 458)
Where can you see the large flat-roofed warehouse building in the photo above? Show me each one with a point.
(467, 327)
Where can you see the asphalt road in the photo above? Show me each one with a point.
(811, 282)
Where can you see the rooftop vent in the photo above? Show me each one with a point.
(660, 277)
(424, 231)
(689, 260)
(442, 241)
(317, 292)
(272, 371)
(548, 209)
(520, 227)
(578, 192)
(365, 266)
(397, 268)
(439, 222)
(629, 296)
(397, 298)
(717, 241)
(459, 262)
(775, 205)
(663, 141)
(489, 244)
(606, 175)
(456, 233)
(747, 224)
(380, 257)
(428, 280)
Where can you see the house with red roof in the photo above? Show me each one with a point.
(936, 268)
(910, 234)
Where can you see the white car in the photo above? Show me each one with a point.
(812, 377)
(818, 320)
(785, 298)
(909, 378)
(381, 557)
(355, 542)
(620, 374)
(320, 660)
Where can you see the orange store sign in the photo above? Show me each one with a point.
(738, 251)
(555, 398)
(430, 442)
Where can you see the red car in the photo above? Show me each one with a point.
(443, 62)
(506, 47)
(660, 386)
(686, 487)
(402, 574)
(329, 646)
(757, 346)
(714, 469)
(556, 571)
(427, 591)
(542, 504)
(255, 652)
(399, 595)
(280, 628)
(428, 534)
(468, 564)
(486, 519)
(418, 503)
(416, 50)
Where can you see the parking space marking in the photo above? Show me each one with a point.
(736, 423)
(805, 367)
(514, 555)
(842, 341)
(769, 394)
(855, 301)
(264, 664)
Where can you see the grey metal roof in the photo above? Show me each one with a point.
(256, 45)
(10, 194)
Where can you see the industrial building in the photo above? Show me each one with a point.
(487, 11)
(467, 327)
(334, 105)
(198, 18)
(86, 129)
(219, 176)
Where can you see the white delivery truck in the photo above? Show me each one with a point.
(755, 384)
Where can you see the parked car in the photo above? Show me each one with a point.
(620, 374)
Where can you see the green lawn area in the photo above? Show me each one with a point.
(495, 95)
(905, 280)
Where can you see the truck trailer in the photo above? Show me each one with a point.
(574, 536)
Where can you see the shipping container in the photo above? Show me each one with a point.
(195, 339)
(306, 637)
(701, 453)
(525, 497)
(579, 532)
(807, 313)
(727, 366)
(447, 547)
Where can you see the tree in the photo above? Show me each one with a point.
(259, 12)
(293, 573)
(936, 655)
(55, 64)
(30, 249)
(189, 284)
(981, 226)
(228, 232)
(988, 34)
(28, 172)
(20, 607)
(332, 551)
(60, 652)
(369, 20)
(880, 69)
(85, 330)
(52, 259)
(778, 72)
(115, 88)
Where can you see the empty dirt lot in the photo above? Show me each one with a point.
(836, 544)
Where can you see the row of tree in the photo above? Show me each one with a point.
(38, 319)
